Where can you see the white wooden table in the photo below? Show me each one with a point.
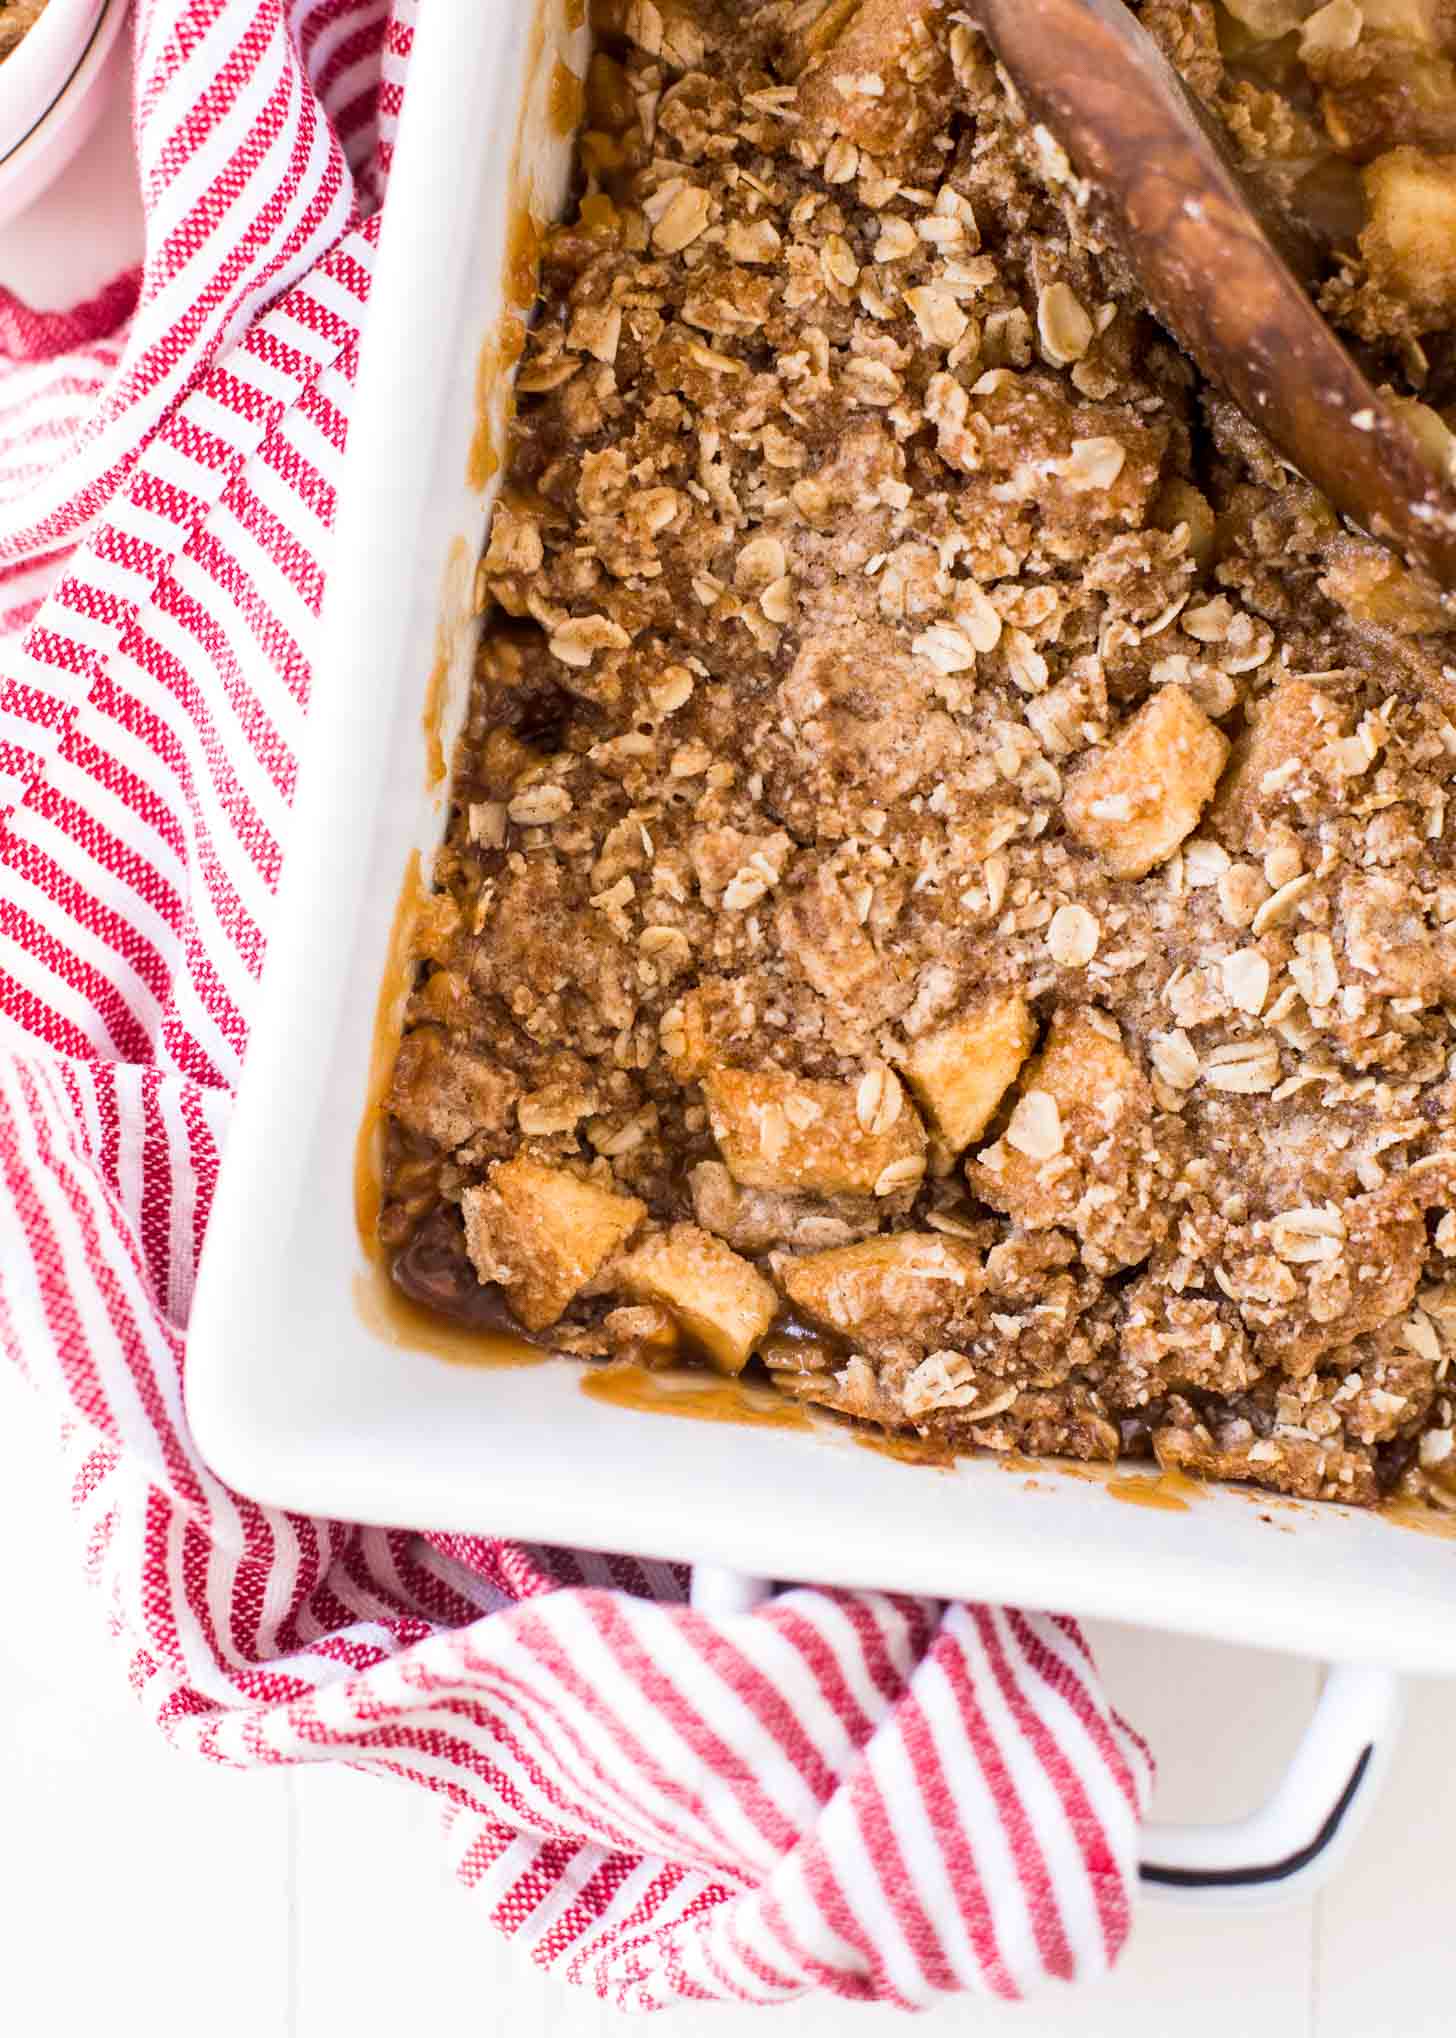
(141, 1893)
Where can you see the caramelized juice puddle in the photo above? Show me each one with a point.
(702, 1397)
(1419, 1518)
(455, 614)
(399, 1321)
(1169, 1491)
(382, 1308)
(905, 1449)
(394, 986)
(567, 102)
(431, 717)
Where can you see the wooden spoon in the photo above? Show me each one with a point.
(1193, 237)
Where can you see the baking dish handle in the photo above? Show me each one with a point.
(1280, 1853)
(1295, 1842)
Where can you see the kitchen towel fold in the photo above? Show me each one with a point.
(877, 1796)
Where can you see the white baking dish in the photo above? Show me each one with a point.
(299, 1402)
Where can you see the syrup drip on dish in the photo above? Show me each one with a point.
(701, 1396)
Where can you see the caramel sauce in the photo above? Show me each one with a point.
(1174, 1492)
(484, 462)
(394, 988)
(382, 1307)
(430, 717)
(504, 346)
(602, 154)
(703, 1397)
(524, 239)
(574, 15)
(1170, 1491)
(393, 1317)
(454, 615)
(499, 351)
(905, 1447)
(1182, 1483)
(566, 100)
(1094, 1474)
(598, 214)
(1420, 1518)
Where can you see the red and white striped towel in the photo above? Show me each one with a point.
(876, 1796)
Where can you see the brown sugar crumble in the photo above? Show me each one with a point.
(948, 897)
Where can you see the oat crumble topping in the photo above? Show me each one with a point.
(948, 896)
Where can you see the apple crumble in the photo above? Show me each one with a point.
(948, 898)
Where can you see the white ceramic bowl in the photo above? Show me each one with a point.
(51, 91)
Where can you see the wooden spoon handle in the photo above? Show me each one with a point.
(1193, 238)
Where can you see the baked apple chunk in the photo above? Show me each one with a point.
(716, 1297)
(1085, 1147)
(542, 1233)
(1136, 800)
(903, 1284)
(777, 1131)
(960, 1072)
